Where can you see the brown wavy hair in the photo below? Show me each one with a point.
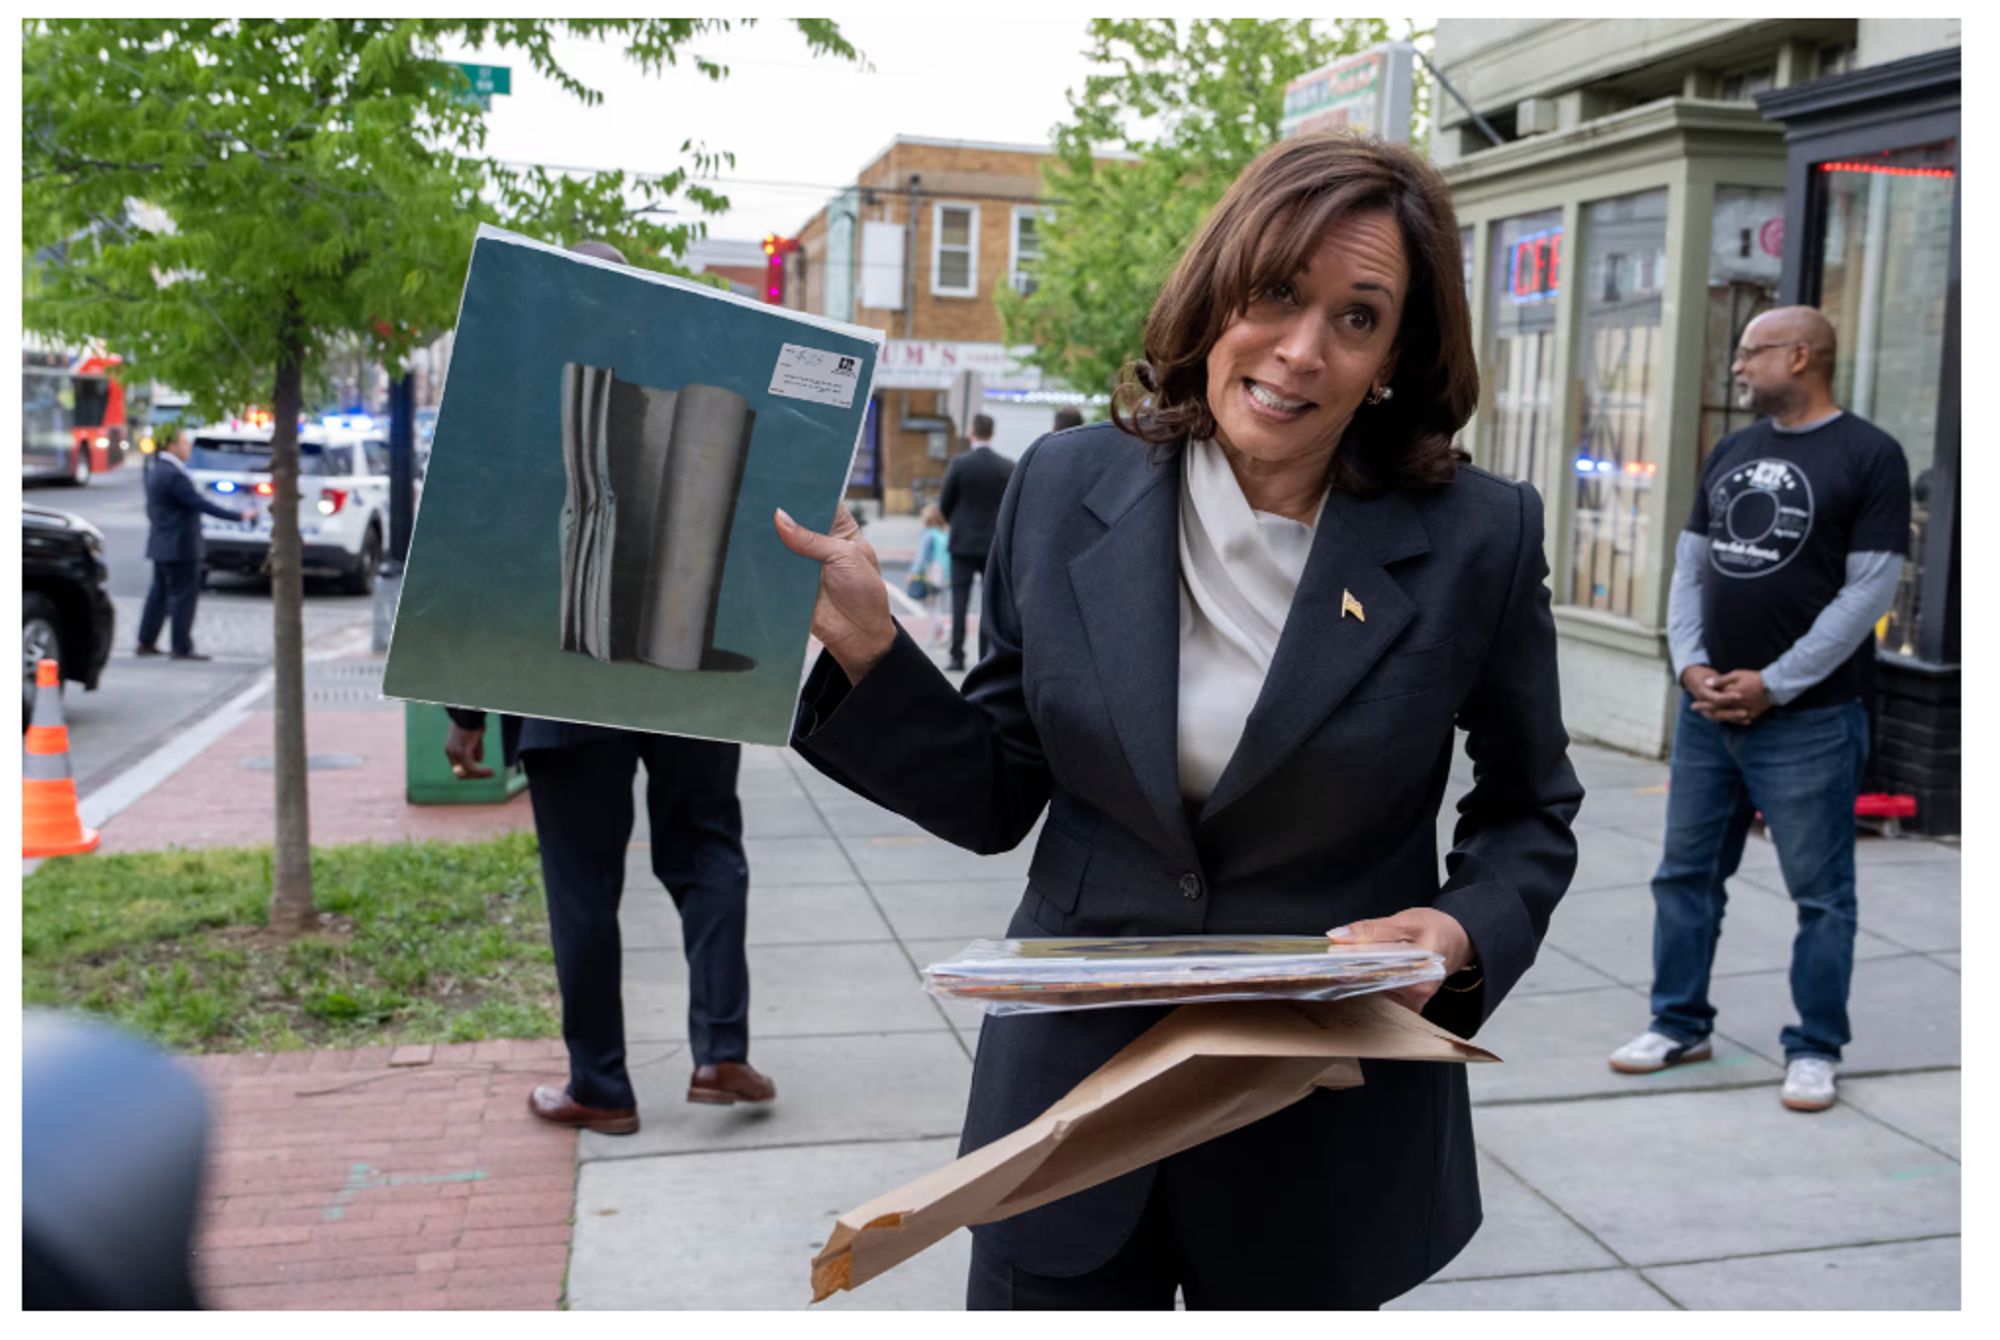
(1264, 232)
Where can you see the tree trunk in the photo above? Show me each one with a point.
(291, 865)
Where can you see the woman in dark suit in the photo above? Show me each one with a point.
(1233, 632)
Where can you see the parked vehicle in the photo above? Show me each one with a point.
(343, 500)
(73, 423)
(66, 614)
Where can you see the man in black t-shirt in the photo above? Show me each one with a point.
(1791, 553)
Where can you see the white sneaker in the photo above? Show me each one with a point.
(1652, 1051)
(1808, 1084)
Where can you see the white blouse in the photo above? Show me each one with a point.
(1239, 570)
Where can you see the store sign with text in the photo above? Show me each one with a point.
(935, 364)
(1534, 269)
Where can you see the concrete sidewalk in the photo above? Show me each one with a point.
(1690, 1189)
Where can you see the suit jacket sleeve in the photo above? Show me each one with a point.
(466, 718)
(1513, 853)
(968, 768)
(187, 495)
(948, 495)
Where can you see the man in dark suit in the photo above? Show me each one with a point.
(970, 501)
(174, 508)
(580, 787)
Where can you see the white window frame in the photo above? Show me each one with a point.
(938, 288)
(1040, 216)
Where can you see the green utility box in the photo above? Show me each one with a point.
(427, 777)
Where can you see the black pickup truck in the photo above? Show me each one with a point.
(65, 612)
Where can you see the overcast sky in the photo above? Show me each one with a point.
(807, 124)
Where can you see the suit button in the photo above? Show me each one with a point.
(1190, 885)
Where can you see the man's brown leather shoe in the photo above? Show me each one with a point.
(730, 1082)
(555, 1105)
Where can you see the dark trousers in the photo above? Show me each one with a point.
(1802, 770)
(1144, 1276)
(964, 567)
(175, 588)
(582, 797)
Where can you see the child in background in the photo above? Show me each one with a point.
(933, 568)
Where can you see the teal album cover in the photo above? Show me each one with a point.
(593, 541)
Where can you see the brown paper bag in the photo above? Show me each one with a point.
(1202, 1071)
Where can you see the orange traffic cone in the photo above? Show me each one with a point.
(50, 824)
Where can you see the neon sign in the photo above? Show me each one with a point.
(1887, 170)
(1534, 270)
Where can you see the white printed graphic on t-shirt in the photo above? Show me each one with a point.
(1759, 516)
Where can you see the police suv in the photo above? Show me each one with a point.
(343, 499)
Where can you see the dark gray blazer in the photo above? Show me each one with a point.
(1326, 813)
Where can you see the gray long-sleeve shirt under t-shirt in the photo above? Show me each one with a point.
(1868, 590)
(1867, 594)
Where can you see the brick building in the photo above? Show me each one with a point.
(919, 247)
(741, 264)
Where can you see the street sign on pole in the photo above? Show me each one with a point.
(487, 80)
(1368, 92)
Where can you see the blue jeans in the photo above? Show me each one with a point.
(1802, 769)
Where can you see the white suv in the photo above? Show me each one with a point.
(343, 500)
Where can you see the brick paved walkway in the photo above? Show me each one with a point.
(410, 1177)
(221, 800)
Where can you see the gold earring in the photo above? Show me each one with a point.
(1380, 394)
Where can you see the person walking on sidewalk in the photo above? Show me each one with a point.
(580, 788)
(970, 501)
(174, 509)
(1792, 552)
(932, 568)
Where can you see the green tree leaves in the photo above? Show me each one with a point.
(328, 163)
(1192, 101)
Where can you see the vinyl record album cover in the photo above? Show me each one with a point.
(593, 541)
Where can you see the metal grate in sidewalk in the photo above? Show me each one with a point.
(329, 682)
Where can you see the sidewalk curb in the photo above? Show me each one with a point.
(138, 781)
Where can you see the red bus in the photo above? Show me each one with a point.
(73, 417)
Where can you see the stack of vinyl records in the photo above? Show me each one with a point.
(1011, 976)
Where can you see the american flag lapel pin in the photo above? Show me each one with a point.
(1349, 605)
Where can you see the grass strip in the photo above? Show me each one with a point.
(417, 942)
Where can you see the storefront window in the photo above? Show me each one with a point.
(1524, 281)
(1622, 357)
(1884, 271)
(1746, 253)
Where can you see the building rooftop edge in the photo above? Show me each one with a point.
(1045, 150)
(1658, 117)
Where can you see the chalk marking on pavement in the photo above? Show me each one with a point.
(363, 1177)
(134, 784)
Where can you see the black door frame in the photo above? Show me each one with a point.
(1898, 105)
